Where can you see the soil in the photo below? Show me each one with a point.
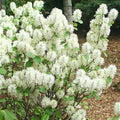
(104, 108)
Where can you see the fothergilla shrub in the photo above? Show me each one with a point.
(43, 73)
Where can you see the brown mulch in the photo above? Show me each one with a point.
(103, 109)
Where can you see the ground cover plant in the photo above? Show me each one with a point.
(43, 73)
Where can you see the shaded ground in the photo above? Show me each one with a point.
(103, 109)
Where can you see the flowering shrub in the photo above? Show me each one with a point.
(44, 74)
(117, 111)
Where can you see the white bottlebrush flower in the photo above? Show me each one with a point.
(63, 60)
(80, 72)
(113, 14)
(79, 115)
(51, 55)
(104, 30)
(92, 74)
(59, 83)
(92, 37)
(18, 13)
(37, 35)
(56, 69)
(73, 42)
(30, 30)
(41, 48)
(102, 9)
(117, 108)
(9, 34)
(77, 15)
(47, 32)
(82, 60)
(12, 89)
(2, 81)
(12, 6)
(112, 71)
(3, 13)
(45, 102)
(24, 36)
(5, 59)
(53, 103)
(86, 48)
(96, 53)
(60, 93)
(38, 4)
(70, 110)
(70, 91)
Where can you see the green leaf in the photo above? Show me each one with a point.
(75, 24)
(9, 74)
(26, 91)
(45, 117)
(1, 115)
(43, 89)
(86, 57)
(77, 49)
(4, 91)
(38, 110)
(104, 52)
(58, 114)
(7, 115)
(29, 54)
(96, 96)
(116, 118)
(37, 59)
(53, 47)
(35, 118)
(75, 28)
(14, 38)
(3, 71)
(29, 63)
(2, 100)
(14, 48)
(49, 111)
(10, 69)
(97, 67)
(86, 107)
(69, 98)
(67, 33)
(19, 89)
(96, 15)
(80, 21)
(109, 80)
(109, 119)
(119, 74)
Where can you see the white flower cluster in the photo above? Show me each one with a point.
(94, 80)
(77, 15)
(89, 56)
(5, 49)
(46, 102)
(29, 78)
(76, 114)
(117, 108)
(100, 27)
(2, 81)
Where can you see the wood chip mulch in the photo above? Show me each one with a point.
(104, 108)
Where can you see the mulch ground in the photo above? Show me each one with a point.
(103, 109)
